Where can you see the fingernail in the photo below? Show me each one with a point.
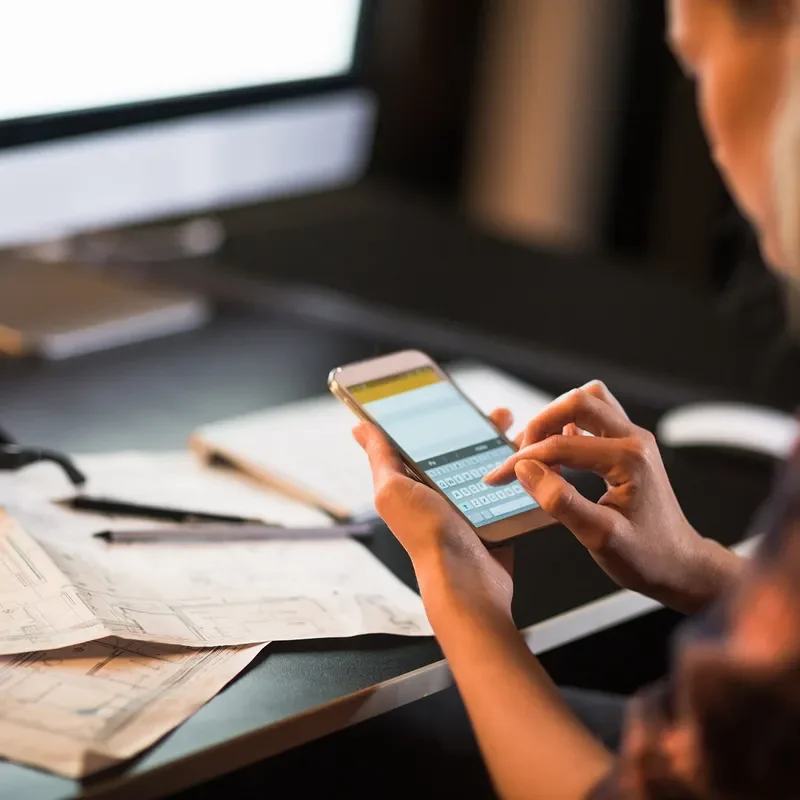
(490, 476)
(528, 473)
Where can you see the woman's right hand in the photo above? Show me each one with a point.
(636, 532)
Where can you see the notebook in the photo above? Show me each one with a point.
(306, 449)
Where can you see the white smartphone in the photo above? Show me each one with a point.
(445, 441)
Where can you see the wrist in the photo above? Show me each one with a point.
(715, 568)
(454, 585)
(723, 567)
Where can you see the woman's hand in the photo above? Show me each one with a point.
(636, 532)
(527, 735)
(452, 565)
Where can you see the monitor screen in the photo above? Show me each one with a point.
(114, 113)
(85, 55)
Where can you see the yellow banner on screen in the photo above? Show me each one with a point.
(395, 384)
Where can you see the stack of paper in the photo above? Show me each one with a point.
(75, 705)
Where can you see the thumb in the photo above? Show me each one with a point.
(589, 522)
(386, 465)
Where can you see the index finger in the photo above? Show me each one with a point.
(603, 456)
(582, 408)
(384, 461)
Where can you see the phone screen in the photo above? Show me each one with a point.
(447, 438)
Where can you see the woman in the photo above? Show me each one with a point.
(727, 723)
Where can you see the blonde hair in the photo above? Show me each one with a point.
(786, 161)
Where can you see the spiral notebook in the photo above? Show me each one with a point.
(306, 449)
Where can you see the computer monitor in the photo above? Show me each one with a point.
(114, 113)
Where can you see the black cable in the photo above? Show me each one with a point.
(13, 458)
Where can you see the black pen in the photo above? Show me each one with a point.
(120, 508)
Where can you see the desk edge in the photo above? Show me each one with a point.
(621, 606)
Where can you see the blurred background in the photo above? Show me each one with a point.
(528, 173)
(206, 206)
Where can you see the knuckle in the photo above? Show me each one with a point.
(386, 494)
(552, 447)
(635, 450)
(382, 502)
(531, 432)
(607, 539)
(581, 400)
(611, 534)
(597, 388)
(648, 439)
(555, 500)
(616, 530)
(640, 447)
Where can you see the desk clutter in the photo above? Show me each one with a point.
(272, 445)
(105, 647)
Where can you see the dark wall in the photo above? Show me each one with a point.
(643, 117)
(421, 59)
(665, 202)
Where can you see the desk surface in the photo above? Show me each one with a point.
(152, 396)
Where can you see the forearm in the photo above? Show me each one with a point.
(533, 746)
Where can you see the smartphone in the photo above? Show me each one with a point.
(445, 441)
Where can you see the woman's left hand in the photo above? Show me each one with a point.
(451, 563)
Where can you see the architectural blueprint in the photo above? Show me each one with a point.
(105, 648)
(195, 594)
(38, 607)
(83, 708)
(60, 586)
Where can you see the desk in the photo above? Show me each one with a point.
(151, 396)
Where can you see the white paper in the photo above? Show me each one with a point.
(75, 706)
(278, 442)
(195, 594)
(84, 708)
(172, 480)
(38, 606)
(60, 586)
(490, 389)
(204, 594)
